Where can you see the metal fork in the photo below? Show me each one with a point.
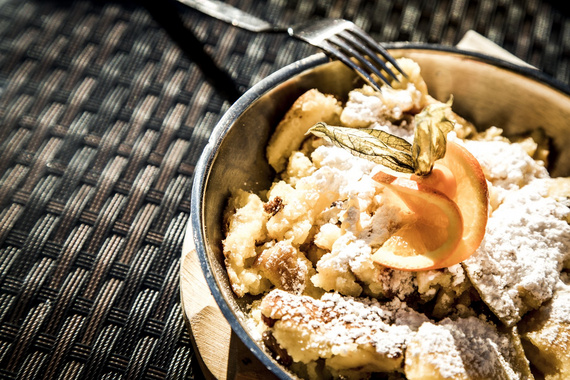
(338, 38)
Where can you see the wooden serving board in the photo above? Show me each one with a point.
(221, 353)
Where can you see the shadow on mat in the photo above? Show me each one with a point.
(167, 15)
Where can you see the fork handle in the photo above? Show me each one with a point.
(231, 15)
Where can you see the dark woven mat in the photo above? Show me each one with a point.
(104, 110)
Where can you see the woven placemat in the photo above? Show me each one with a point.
(105, 107)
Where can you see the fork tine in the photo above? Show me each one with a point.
(351, 39)
(352, 52)
(375, 46)
(336, 53)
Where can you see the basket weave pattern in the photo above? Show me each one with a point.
(104, 110)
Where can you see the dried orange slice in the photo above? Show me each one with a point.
(449, 208)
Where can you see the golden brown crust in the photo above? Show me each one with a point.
(310, 108)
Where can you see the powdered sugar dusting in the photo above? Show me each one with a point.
(506, 165)
(337, 325)
(518, 263)
(466, 348)
(561, 305)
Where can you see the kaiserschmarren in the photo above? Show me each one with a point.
(323, 306)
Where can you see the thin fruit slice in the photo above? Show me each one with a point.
(472, 198)
(432, 234)
(459, 178)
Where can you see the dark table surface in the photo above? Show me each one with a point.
(105, 107)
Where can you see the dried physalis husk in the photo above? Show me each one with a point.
(430, 137)
(375, 145)
(392, 151)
